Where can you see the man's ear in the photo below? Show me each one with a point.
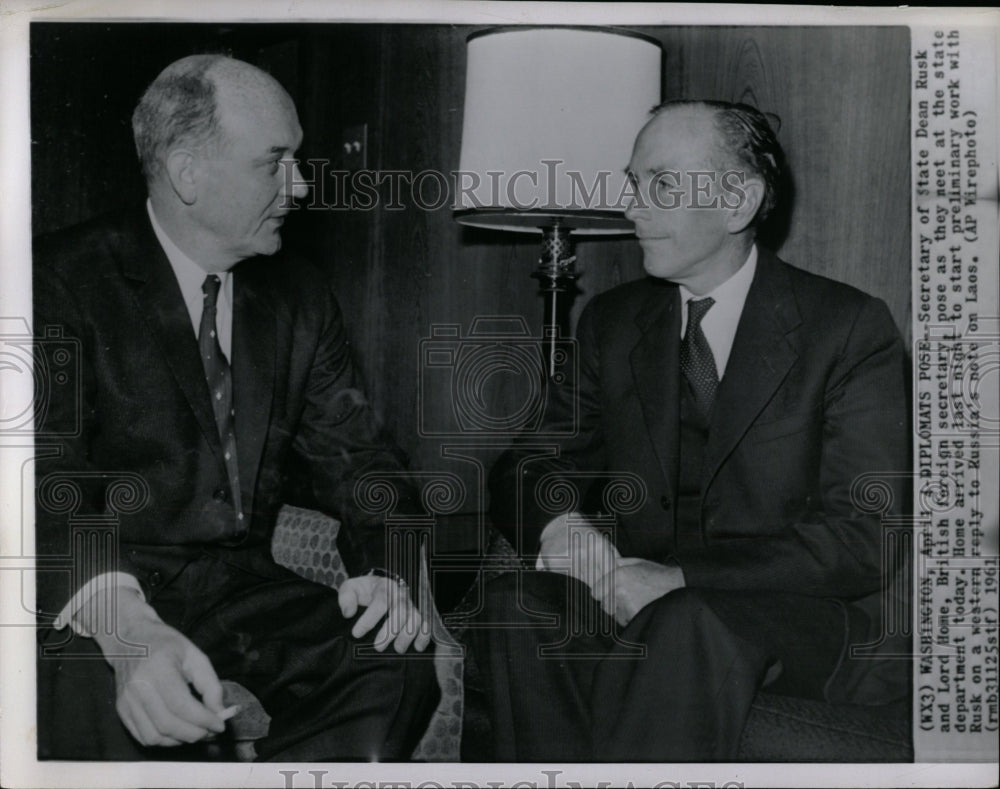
(745, 200)
(183, 171)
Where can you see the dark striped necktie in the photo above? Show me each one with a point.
(220, 383)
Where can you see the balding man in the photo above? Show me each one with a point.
(213, 369)
(741, 398)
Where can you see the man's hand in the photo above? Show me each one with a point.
(154, 697)
(384, 598)
(634, 583)
(577, 550)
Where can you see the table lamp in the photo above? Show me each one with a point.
(550, 117)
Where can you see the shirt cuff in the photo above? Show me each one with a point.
(98, 583)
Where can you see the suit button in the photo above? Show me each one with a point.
(221, 495)
(154, 578)
(665, 502)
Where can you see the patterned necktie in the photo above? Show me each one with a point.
(220, 383)
(697, 362)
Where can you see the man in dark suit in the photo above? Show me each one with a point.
(738, 399)
(212, 369)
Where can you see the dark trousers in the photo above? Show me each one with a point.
(568, 685)
(330, 696)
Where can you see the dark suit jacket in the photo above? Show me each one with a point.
(144, 413)
(813, 397)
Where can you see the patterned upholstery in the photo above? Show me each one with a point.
(305, 542)
(784, 729)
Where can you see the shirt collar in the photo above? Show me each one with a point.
(731, 294)
(189, 274)
(190, 277)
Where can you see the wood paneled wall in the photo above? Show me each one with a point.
(842, 96)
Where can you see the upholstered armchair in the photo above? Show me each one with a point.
(779, 729)
(305, 541)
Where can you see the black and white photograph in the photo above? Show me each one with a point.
(476, 394)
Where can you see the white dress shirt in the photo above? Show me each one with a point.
(719, 326)
(721, 320)
(190, 277)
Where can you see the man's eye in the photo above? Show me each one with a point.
(667, 184)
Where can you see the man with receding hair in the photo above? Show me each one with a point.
(740, 399)
(209, 364)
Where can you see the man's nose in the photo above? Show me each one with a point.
(293, 186)
(299, 187)
(631, 208)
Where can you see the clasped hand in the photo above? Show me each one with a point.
(632, 584)
(623, 586)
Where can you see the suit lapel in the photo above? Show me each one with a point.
(155, 286)
(253, 367)
(654, 361)
(761, 357)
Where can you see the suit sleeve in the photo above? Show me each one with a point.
(573, 440)
(340, 442)
(835, 548)
(69, 486)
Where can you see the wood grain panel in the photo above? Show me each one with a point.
(843, 101)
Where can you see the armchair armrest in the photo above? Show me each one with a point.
(305, 541)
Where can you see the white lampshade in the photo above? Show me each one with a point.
(550, 117)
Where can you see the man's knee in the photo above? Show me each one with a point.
(683, 614)
(524, 595)
(685, 601)
(362, 653)
(420, 671)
